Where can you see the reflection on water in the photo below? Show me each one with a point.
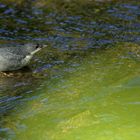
(85, 84)
(12, 87)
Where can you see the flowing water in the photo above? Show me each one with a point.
(85, 84)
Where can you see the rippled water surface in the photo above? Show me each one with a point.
(85, 84)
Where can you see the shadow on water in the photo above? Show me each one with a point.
(13, 85)
(74, 30)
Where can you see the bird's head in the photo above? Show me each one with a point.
(33, 48)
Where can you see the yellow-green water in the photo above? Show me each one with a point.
(97, 100)
(85, 85)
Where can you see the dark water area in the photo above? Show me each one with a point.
(95, 23)
(75, 31)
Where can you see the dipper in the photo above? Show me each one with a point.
(14, 58)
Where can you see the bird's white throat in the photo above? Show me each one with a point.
(38, 49)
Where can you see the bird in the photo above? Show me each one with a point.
(16, 57)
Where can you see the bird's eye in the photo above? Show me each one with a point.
(37, 46)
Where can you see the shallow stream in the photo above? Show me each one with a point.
(85, 85)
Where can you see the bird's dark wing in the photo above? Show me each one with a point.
(11, 52)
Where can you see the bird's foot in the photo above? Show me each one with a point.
(7, 74)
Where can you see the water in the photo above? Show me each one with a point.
(85, 85)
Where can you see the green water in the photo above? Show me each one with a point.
(97, 100)
(85, 85)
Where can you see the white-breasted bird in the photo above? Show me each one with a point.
(14, 58)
